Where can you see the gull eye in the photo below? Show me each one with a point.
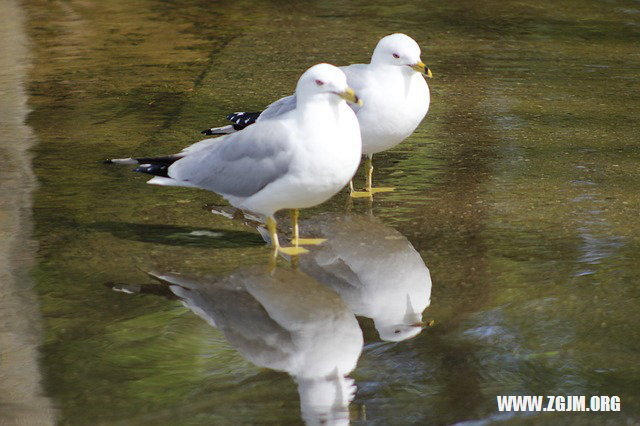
(320, 82)
(396, 331)
(395, 55)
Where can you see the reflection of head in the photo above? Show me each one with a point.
(398, 332)
(325, 400)
(395, 325)
(374, 268)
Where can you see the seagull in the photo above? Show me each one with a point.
(395, 98)
(286, 321)
(296, 160)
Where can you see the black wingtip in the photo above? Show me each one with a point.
(207, 132)
(153, 169)
(244, 119)
(107, 161)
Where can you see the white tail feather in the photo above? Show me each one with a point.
(225, 130)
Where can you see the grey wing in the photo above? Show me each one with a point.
(242, 163)
(279, 107)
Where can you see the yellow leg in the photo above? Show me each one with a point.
(294, 226)
(369, 165)
(370, 188)
(295, 250)
(297, 241)
(359, 194)
(273, 233)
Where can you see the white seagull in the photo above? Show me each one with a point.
(298, 159)
(396, 98)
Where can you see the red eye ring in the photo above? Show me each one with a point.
(319, 82)
(395, 55)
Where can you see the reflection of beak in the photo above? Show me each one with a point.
(422, 69)
(350, 96)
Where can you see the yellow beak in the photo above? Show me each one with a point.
(350, 96)
(422, 69)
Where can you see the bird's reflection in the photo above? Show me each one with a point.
(374, 268)
(283, 320)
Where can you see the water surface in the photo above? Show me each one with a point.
(520, 193)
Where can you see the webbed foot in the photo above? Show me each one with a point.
(293, 251)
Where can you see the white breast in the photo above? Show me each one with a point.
(393, 107)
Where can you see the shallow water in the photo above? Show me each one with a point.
(519, 191)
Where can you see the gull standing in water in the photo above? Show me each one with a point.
(396, 98)
(296, 160)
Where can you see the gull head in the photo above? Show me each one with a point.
(325, 81)
(401, 50)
